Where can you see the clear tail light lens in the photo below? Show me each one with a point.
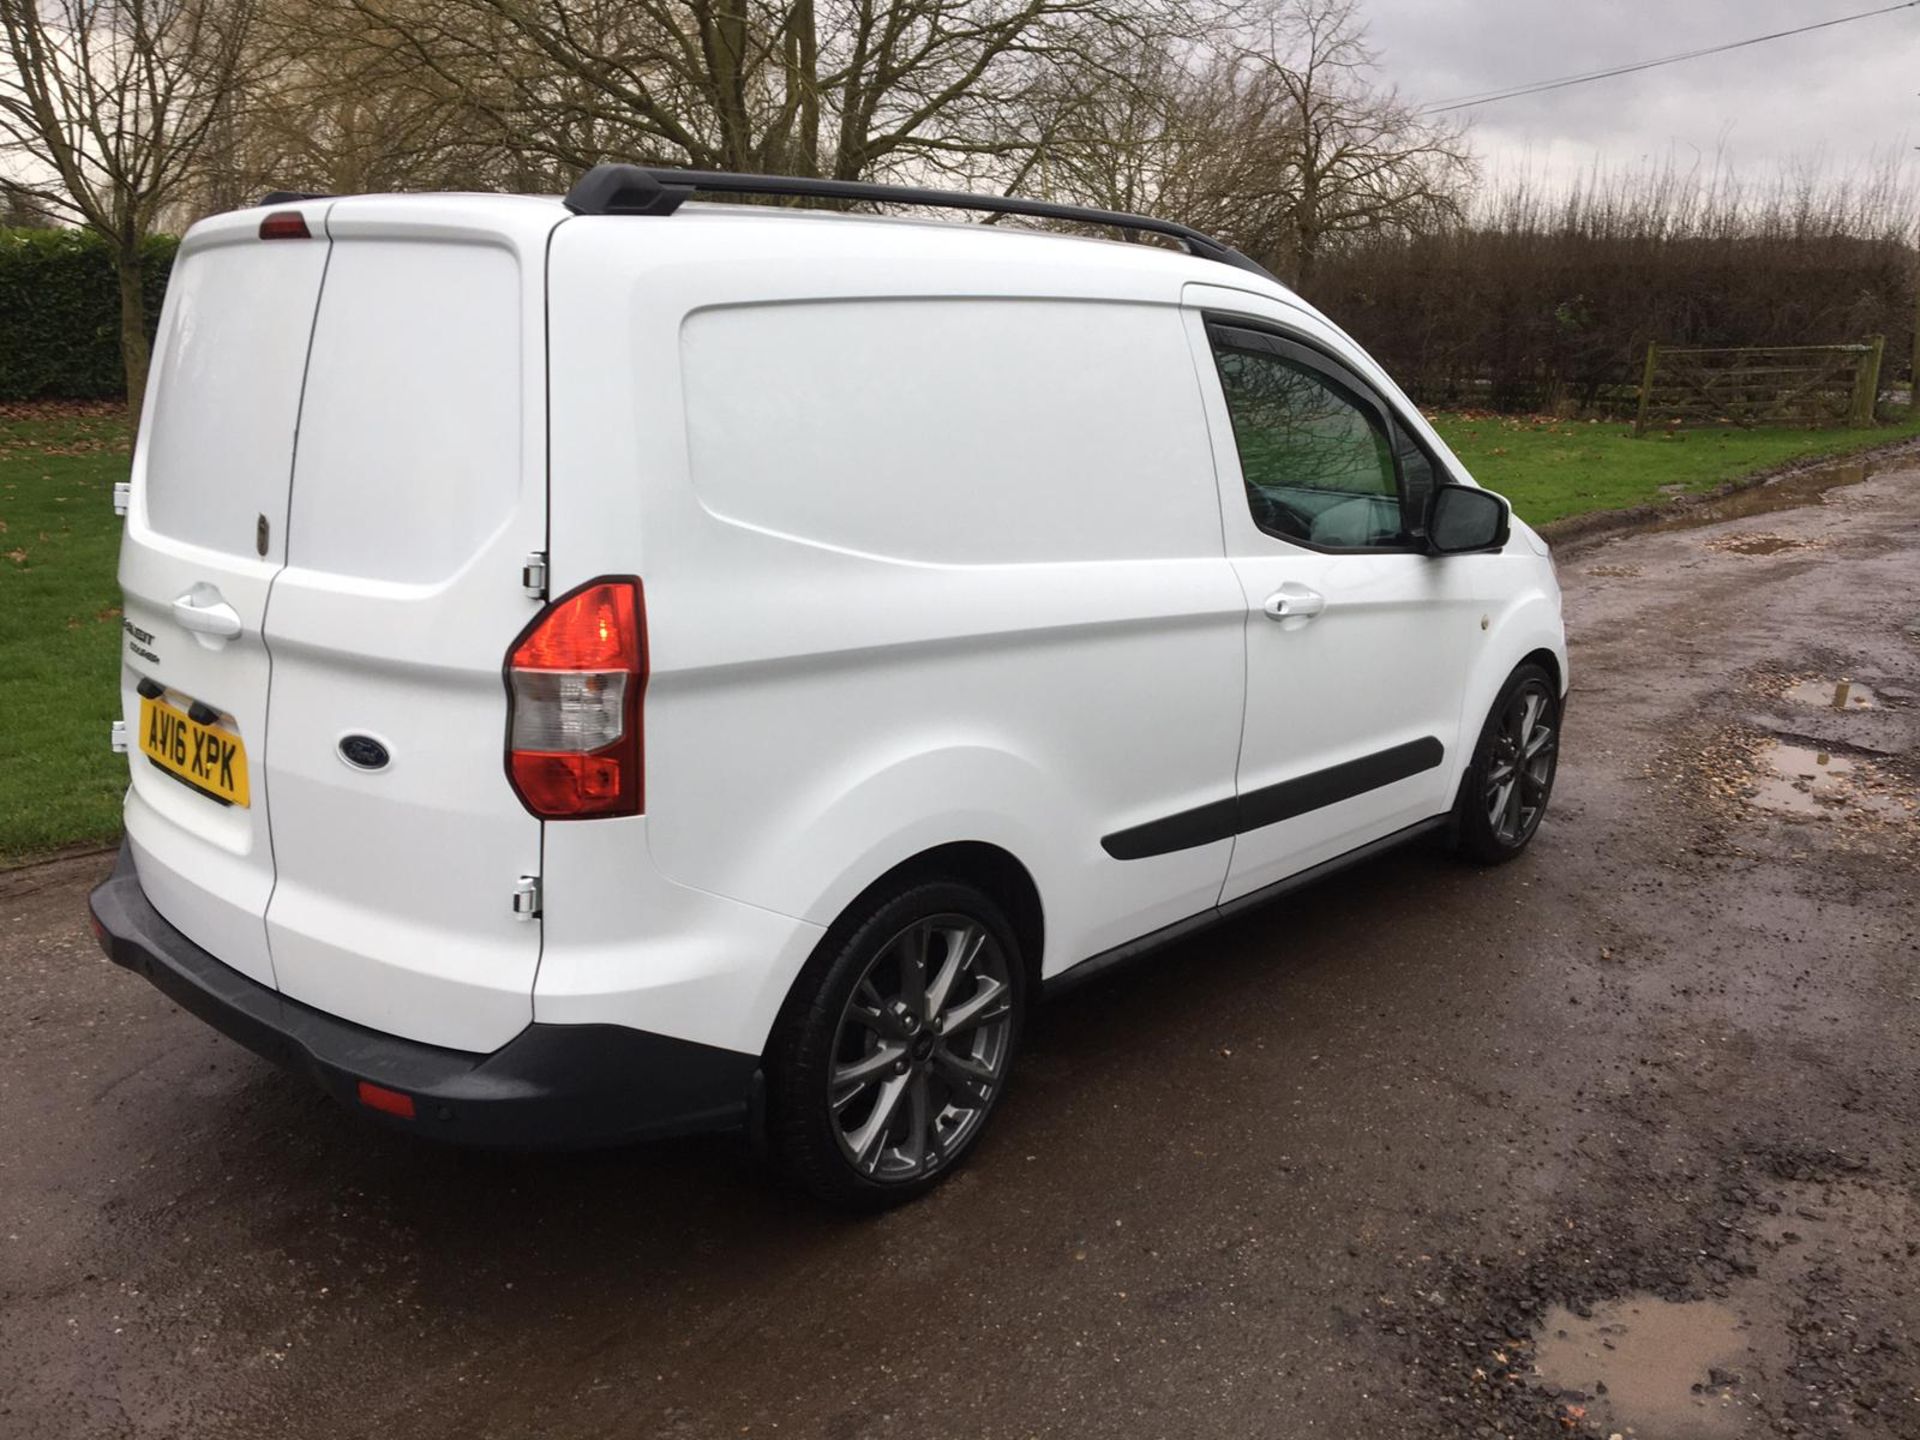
(575, 679)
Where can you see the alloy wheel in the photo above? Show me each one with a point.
(1520, 766)
(921, 1049)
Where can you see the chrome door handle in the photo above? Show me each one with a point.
(204, 612)
(1295, 603)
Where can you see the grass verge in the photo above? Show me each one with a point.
(1553, 469)
(59, 628)
(59, 542)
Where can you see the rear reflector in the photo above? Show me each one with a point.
(575, 678)
(378, 1097)
(285, 225)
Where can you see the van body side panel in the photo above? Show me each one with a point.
(931, 554)
(207, 526)
(419, 490)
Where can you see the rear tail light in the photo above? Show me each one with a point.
(574, 683)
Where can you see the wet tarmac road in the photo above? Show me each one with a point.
(1324, 1171)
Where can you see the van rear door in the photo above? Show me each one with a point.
(419, 492)
(205, 534)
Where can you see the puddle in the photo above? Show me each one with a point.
(1755, 544)
(1833, 695)
(1804, 487)
(1799, 780)
(1655, 1367)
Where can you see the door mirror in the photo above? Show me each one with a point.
(1464, 518)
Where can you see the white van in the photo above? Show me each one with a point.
(604, 668)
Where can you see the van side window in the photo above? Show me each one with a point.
(1317, 458)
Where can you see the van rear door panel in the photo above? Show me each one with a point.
(207, 527)
(419, 491)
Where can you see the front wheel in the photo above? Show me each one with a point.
(896, 1047)
(1507, 785)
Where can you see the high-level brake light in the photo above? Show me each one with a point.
(285, 225)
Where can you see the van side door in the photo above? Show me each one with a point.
(1357, 641)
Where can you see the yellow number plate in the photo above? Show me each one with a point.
(204, 756)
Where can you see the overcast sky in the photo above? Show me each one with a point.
(1843, 91)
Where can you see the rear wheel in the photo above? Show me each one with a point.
(1507, 786)
(896, 1049)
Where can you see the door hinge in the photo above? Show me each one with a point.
(526, 898)
(117, 737)
(122, 496)
(533, 575)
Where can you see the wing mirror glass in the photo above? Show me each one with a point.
(1463, 518)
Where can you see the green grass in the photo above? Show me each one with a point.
(1551, 469)
(60, 616)
(59, 631)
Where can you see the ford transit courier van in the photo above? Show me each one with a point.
(609, 667)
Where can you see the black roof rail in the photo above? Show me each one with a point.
(291, 197)
(638, 190)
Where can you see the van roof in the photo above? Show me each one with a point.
(608, 190)
(635, 190)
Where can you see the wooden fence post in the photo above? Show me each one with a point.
(1646, 388)
(1866, 381)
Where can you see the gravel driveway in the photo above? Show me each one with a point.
(1622, 1135)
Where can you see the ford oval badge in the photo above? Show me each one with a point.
(363, 752)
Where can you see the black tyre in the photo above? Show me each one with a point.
(1507, 786)
(894, 1051)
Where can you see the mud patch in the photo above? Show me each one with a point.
(1843, 695)
(1756, 544)
(1651, 1365)
(1800, 781)
(1788, 492)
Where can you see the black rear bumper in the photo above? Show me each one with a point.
(550, 1087)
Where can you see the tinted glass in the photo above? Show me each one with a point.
(1318, 465)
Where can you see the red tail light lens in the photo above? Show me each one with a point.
(574, 683)
(285, 225)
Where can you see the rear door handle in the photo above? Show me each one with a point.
(204, 612)
(1294, 602)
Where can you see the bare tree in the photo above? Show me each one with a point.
(105, 106)
(1187, 134)
(1353, 157)
(1273, 134)
(842, 88)
(19, 212)
(330, 103)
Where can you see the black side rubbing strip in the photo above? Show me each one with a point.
(1273, 803)
(1270, 804)
(1201, 825)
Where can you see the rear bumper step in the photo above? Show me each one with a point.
(550, 1087)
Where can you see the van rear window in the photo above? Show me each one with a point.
(218, 446)
(410, 434)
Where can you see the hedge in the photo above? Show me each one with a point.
(60, 313)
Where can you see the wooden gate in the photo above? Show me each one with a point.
(1773, 384)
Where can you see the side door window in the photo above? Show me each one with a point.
(1323, 461)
